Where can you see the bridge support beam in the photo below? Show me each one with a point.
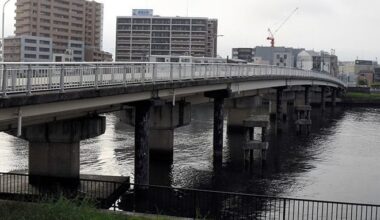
(54, 147)
(323, 98)
(218, 97)
(142, 115)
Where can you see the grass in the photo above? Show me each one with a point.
(60, 210)
(363, 96)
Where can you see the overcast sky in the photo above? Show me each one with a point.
(351, 27)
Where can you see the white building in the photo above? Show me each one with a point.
(28, 49)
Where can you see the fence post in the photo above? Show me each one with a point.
(29, 81)
(284, 210)
(5, 80)
(62, 79)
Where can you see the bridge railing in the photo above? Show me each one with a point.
(36, 77)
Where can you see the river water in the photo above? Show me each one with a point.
(339, 161)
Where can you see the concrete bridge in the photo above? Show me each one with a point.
(56, 105)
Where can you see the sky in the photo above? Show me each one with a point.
(350, 27)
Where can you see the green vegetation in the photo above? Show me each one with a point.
(363, 96)
(60, 210)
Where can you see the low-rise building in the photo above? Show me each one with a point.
(28, 49)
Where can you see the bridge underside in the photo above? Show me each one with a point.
(45, 107)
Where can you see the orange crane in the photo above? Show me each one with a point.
(271, 35)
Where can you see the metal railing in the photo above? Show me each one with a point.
(36, 77)
(181, 202)
(205, 204)
(22, 187)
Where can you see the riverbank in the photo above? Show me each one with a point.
(61, 210)
(361, 99)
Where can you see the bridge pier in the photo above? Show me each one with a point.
(54, 147)
(307, 95)
(240, 109)
(142, 115)
(163, 120)
(279, 110)
(218, 97)
(333, 97)
(323, 98)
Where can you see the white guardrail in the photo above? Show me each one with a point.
(36, 77)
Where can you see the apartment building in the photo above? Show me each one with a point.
(66, 22)
(142, 35)
(28, 49)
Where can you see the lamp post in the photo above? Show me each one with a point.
(2, 32)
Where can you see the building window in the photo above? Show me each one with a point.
(46, 42)
(31, 56)
(31, 41)
(30, 48)
(44, 57)
(43, 49)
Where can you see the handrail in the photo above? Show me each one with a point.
(29, 77)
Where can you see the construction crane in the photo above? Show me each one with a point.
(271, 34)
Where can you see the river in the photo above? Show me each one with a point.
(339, 161)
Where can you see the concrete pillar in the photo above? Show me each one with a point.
(333, 97)
(142, 113)
(323, 98)
(164, 118)
(279, 108)
(218, 125)
(218, 97)
(307, 95)
(54, 147)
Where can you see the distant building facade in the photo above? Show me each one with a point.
(318, 61)
(246, 54)
(360, 70)
(65, 22)
(143, 35)
(28, 49)
(277, 56)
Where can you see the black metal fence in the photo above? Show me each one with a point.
(23, 187)
(181, 202)
(221, 205)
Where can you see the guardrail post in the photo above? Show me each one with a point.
(284, 211)
(96, 74)
(192, 71)
(5, 81)
(171, 72)
(62, 79)
(133, 69)
(154, 73)
(29, 80)
(180, 71)
(81, 76)
(125, 75)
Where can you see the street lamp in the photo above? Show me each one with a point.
(2, 33)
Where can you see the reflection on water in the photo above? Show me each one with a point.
(338, 161)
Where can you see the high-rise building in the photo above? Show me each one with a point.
(143, 34)
(66, 22)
